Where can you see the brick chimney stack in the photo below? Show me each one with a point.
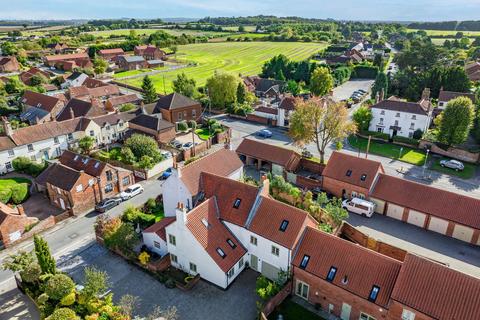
(7, 127)
(426, 94)
(381, 96)
(72, 114)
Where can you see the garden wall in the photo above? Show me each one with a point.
(312, 166)
(451, 152)
(308, 183)
(276, 300)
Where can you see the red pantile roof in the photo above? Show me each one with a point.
(267, 110)
(363, 268)
(128, 98)
(437, 291)
(205, 225)
(269, 216)
(93, 83)
(62, 57)
(341, 164)
(78, 162)
(286, 158)
(111, 51)
(159, 227)
(437, 202)
(222, 162)
(39, 100)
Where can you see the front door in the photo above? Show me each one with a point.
(254, 262)
(302, 290)
(45, 155)
(346, 309)
(62, 203)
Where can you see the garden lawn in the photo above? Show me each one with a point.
(385, 149)
(467, 173)
(246, 58)
(204, 133)
(112, 154)
(292, 311)
(129, 73)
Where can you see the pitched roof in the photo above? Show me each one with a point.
(174, 101)
(351, 169)
(78, 162)
(39, 100)
(437, 202)
(152, 122)
(33, 114)
(263, 85)
(363, 268)
(93, 83)
(159, 227)
(287, 158)
(48, 130)
(287, 103)
(27, 75)
(79, 91)
(128, 98)
(269, 216)
(62, 176)
(446, 96)
(113, 118)
(6, 143)
(71, 56)
(74, 75)
(112, 51)
(268, 110)
(437, 291)
(81, 108)
(132, 59)
(221, 187)
(104, 91)
(401, 106)
(222, 162)
(212, 234)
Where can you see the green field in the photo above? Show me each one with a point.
(147, 32)
(128, 73)
(244, 58)
(447, 32)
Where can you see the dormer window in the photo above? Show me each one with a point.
(373, 293)
(304, 262)
(221, 253)
(363, 177)
(349, 173)
(237, 202)
(284, 225)
(231, 243)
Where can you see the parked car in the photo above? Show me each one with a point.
(187, 145)
(359, 206)
(166, 154)
(131, 192)
(107, 204)
(165, 174)
(306, 154)
(264, 133)
(176, 144)
(452, 164)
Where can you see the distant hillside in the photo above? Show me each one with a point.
(447, 25)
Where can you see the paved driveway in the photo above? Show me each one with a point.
(345, 90)
(14, 305)
(454, 253)
(204, 301)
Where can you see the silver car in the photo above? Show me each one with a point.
(452, 164)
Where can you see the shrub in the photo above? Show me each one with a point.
(182, 126)
(144, 258)
(31, 273)
(25, 165)
(405, 140)
(418, 134)
(192, 124)
(170, 283)
(128, 156)
(127, 107)
(20, 193)
(68, 300)
(142, 145)
(265, 288)
(63, 314)
(146, 162)
(58, 286)
(365, 72)
(43, 298)
(5, 195)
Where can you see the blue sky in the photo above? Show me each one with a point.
(400, 10)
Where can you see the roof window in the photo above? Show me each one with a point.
(304, 262)
(331, 274)
(284, 225)
(237, 202)
(221, 253)
(349, 173)
(373, 293)
(363, 177)
(231, 243)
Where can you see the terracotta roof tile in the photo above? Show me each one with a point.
(174, 101)
(437, 291)
(61, 57)
(39, 100)
(222, 162)
(111, 51)
(286, 158)
(6, 143)
(159, 227)
(363, 268)
(269, 216)
(93, 83)
(437, 202)
(212, 234)
(128, 98)
(350, 169)
(78, 162)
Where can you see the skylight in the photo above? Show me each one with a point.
(374, 293)
(221, 253)
(205, 223)
(331, 274)
(237, 202)
(284, 225)
(97, 164)
(363, 177)
(76, 157)
(349, 173)
(304, 262)
(231, 244)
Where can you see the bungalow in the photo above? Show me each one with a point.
(176, 107)
(153, 125)
(347, 176)
(131, 62)
(184, 183)
(111, 54)
(39, 107)
(9, 64)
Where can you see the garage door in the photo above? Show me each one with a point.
(380, 205)
(270, 271)
(416, 218)
(395, 211)
(462, 233)
(438, 225)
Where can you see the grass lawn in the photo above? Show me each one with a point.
(113, 154)
(409, 155)
(128, 73)
(467, 173)
(10, 182)
(246, 58)
(447, 32)
(292, 311)
(204, 133)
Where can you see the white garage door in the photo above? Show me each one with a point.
(395, 211)
(463, 233)
(380, 205)
(416, 218)
(438, 225)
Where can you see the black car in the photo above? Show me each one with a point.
(107, 204)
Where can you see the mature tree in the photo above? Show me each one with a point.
(13, 86)
(184, 85)
(44, 256)
(381, 83)
(142, 145)
(18, 262)
(149, 93)
(38, 79)
(421, 56)
(86, 144)
(321, 82)
(96, 281)
(455, 79)
(456, 121)
(222, 89)
(378, 61)
(31, 273)
(320, 120)
(8, 48)
(99, 65)
(302, 71)
(362, 117)
(276, 67)
(241, 29)
(241, 93)
(293, 87)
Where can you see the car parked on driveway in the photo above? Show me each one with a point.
(187, 145)
(264, 133)
(132, 191)
(165, 174)
(107, 204)
(452, 164)
(359, 206)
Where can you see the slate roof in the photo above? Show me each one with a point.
(437, 202)
(401, 106)
(363, 268)
(80, 108)
(152, 122)
(131, 59)
(32, 114)
(263, 85)
(159, 227)
(437, 291)
(174, 101)
(446, 96)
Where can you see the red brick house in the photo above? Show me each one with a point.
(347, 176)
(26, 77)
(40, 108)
(149, 52)
(57, 47)
(80, 59)
(343, 278)
(176, 107)
(110, 54)
(131, 62)
(9, 64)
(152, 125)
(13, 222)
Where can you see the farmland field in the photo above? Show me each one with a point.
(447, 32)
(246, 58)
(175, 32)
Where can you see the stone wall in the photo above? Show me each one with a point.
(451, 152)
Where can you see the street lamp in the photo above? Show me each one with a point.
(400, 154)
(425, 164)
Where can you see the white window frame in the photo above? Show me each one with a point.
(365, 316)
(172, 239)
(254, 240)
(157, 244)
(275, 251)
(241, 263)
(408, 315)
(231, 272)
(173, 258)
(299, 291)
(193, 267)
(30, 147)
(11, 153)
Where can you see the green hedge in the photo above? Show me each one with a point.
(19, 193)
(341, 75)
(374, 134)
(27, 166)
(5, 195)
(365, 72)
(405, 140)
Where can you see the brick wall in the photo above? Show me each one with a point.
(187, 114)
(324, 293)
(396, 309)
(308, 183)
(336, 187)
(276, 300)
(452, 152)
(312, 166)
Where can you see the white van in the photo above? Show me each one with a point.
(359, 206)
